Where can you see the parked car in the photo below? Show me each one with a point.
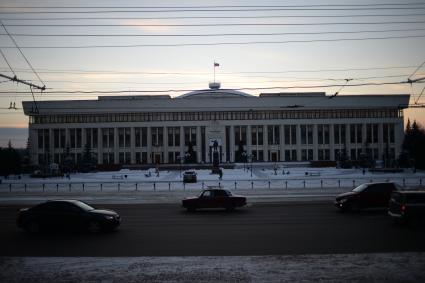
(66, 215)
(214, 198)
(189, 177)
(406, 206)
(368, 195)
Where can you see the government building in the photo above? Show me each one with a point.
(270, 127)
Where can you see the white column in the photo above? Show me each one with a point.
(149, 145)
(298, 134)
(266, 143)
(232, 144)
(281, 143)
(332, 141)
(99, 146)
(116, 146)
(315, 142)
(132, 146)
(198, 144)
(381, 145)
(348, 139)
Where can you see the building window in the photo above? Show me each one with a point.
(124, 137)
(388, 133)
(141, 137)
(91, 137)
(75, 138)
(339, 134)
(257, 135)
(372, 133)
(306, 134)
(273, 134)
(173, 136)
(108, 137)
(356, 133)
(190, 136)
(290, 132)
(157, 136)
(323, 134)
(240, 135)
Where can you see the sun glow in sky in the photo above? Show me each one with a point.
(171, 45)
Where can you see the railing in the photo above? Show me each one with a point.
(128, 186)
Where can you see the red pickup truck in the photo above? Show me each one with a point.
(214, 198)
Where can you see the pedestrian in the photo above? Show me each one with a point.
(220, 174)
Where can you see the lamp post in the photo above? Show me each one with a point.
(250, 156)
(244, 156)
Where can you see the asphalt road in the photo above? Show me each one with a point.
(259, 229)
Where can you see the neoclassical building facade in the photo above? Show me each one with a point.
(273, 127)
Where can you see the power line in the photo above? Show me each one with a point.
(213, 17)
(417, 69)
(81, 71)
(215, 43)
(216, 24)
(214, 6)
(7, 62)
(419, 81)
(213, 10)
(214, 34)
(23, 55)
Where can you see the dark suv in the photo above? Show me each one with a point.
(407, 205)
(369, 195)
(189, 177)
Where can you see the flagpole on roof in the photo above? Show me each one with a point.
(215, 65)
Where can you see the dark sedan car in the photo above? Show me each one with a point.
(214, 198)
(369, 195)
(67, 215)
(407, 206)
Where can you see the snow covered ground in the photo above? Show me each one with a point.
(137, 186)
(296, 177)
(377, 267)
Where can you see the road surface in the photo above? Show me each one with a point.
(259, 229)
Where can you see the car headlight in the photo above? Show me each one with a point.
(342, 200)
(109, 217)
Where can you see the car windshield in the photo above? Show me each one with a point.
(83, 205)
(360, 188)
(228, 193)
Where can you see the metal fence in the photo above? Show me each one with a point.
(128, 186)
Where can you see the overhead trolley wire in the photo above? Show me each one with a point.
(243, 9)
(215, 24)
(216, 43)
(213, 34)
(23, 55)
(212, 17)
(214, 6)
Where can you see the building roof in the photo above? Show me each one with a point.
(215, 93)
(212, 100)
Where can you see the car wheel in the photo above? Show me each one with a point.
(32, 227)
(94, 227)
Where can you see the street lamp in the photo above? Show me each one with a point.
(250, 156)
(244, 156)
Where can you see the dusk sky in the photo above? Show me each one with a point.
(137, 47)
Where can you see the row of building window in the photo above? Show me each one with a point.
(141, 157)
(189, 138)
(218, 115)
